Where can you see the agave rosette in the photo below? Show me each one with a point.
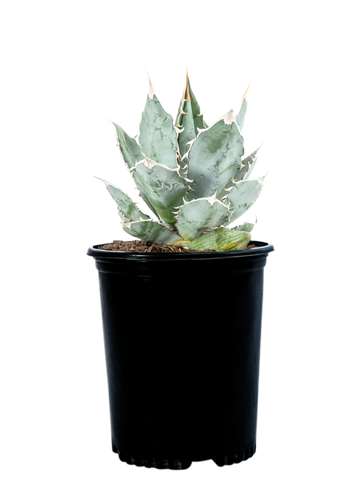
(193, 177)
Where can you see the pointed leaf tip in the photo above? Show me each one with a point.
(186, 66)
(256, 216)
(107, 119)
(250, 79)
(267, 171)
(150, 85)
(144, 68)
(229, 117)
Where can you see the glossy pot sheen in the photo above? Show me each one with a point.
(182, 343)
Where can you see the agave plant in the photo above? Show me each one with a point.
(194, 178)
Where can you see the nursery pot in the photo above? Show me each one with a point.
(182, 345)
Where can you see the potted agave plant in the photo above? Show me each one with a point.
(182, 306)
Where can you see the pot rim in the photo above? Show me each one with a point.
(262, 248)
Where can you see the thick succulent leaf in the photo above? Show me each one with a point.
(127, 207)
(189, 120)
(245, 224)
(246, 227)
(214, 157)
(247, 165)
(163, 186)
(242, 173)
(129, 147)
(243, 105)
(119, 198)
(132, 153)
(220, 239)
(242, 117)
(198, 216)
(157, 133)
(244, 196)
(250, 163)
(146, 200)
(150, 231)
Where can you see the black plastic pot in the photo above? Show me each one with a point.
(182, 343)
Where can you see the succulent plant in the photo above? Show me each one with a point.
(194, 178)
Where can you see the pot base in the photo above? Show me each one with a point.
(183, 463)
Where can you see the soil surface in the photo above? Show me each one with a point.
(141, 246)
